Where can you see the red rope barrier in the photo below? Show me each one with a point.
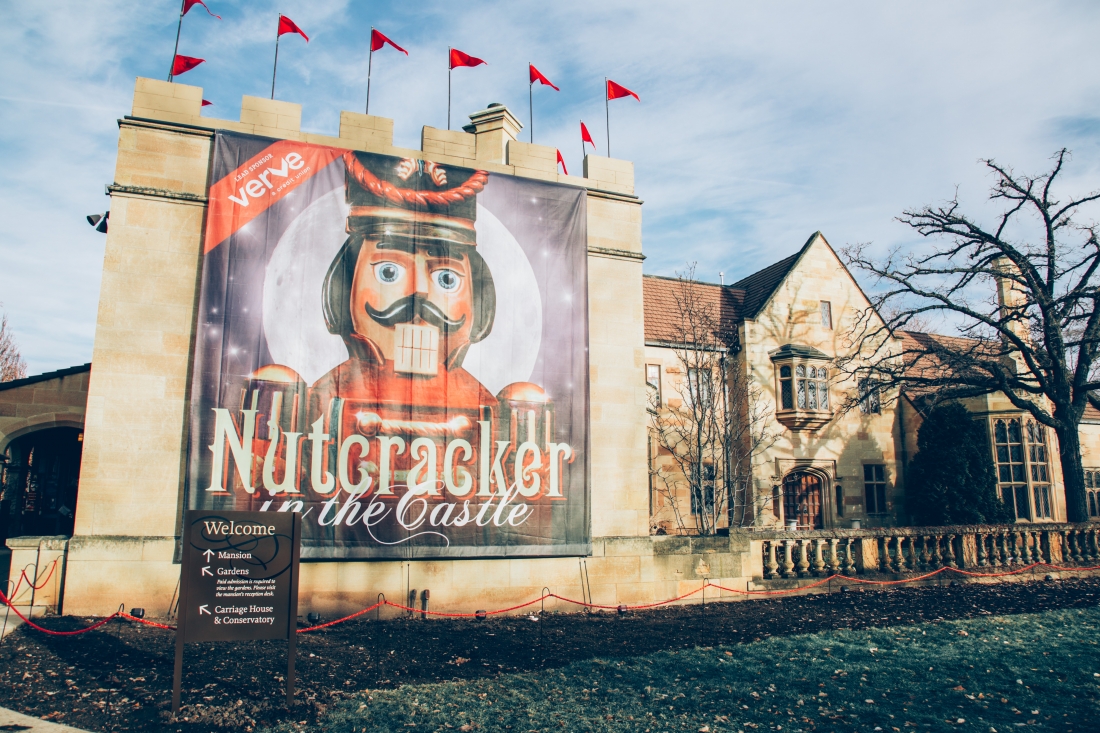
(51, 632)
(629, 607)
(468, 615)
(23, 574)
(706, 583)
(147, 623)
(340, 620)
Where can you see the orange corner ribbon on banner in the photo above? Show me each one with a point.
(260, 182)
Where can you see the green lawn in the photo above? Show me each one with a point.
(997, 673)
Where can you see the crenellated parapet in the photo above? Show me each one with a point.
(490, 142)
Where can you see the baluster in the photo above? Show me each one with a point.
(1028, 548)
(1086, 545)
(803, 558)
(1094, 548)
(849, 558)
(911, 562)
(771, 567)
(1042, 546)
(925, 555)
(1078, 555)
(788, 562)
(899, 556)
(937, 558)
(819, 560)
(834, 557)
(949, 550)
(994, 555)
(983, 558)
(1005, 555)
(884, 554)
(1014, 545)
(1067, 556)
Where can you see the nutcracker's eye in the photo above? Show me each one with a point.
(388, 272)
(447, 279)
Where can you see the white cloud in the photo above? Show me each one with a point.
(759, 122)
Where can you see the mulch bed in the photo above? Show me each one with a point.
(119, 678)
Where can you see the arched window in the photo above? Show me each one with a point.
(786, 397)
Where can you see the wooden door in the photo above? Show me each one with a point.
(802, 499)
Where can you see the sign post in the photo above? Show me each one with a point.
(239, 581)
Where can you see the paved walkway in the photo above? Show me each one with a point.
(11, 720)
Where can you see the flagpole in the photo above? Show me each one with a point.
(176, 52)
(607, 112)
(370, 60)
(531, 101)
(583, 151)
(448, 88)
(275, 68)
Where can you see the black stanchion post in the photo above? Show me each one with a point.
(381, 601)
(7, 607)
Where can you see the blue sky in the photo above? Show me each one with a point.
(759, 123)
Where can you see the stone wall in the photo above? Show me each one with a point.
(51, 400)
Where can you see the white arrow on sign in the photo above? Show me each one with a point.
(203, 609)
(209, 554)
(206, 571)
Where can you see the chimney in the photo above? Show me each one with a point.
(1011, 298)
(494, 127)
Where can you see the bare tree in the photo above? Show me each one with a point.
(12, 365)
(716, 427)
(1023, 295)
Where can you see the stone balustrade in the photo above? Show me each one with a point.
(911, 550)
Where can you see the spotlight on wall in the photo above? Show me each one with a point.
(99, 221)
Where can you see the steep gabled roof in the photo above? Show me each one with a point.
(760, 285)
(662, 314)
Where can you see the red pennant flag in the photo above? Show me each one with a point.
(561, 160)
(462, 59)
(286, 25)
(184, 63)
(538, 76)
(188, 4)
(377, 41)
(585, 136)
(615, 91)
(207, 103)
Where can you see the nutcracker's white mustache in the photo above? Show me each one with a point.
(408, 308)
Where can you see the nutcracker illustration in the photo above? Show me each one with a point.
(409, 293)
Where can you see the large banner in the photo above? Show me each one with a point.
(395, 349)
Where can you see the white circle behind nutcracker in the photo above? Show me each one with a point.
(295, 326)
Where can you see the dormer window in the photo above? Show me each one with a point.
(802, 387)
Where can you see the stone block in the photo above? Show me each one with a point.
(448, 142)
(533, 159)
(374, 133)
(274, 115)
(609, 173)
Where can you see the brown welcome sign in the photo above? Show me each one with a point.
(238, 582)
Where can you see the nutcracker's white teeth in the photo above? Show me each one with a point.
(416, 349)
